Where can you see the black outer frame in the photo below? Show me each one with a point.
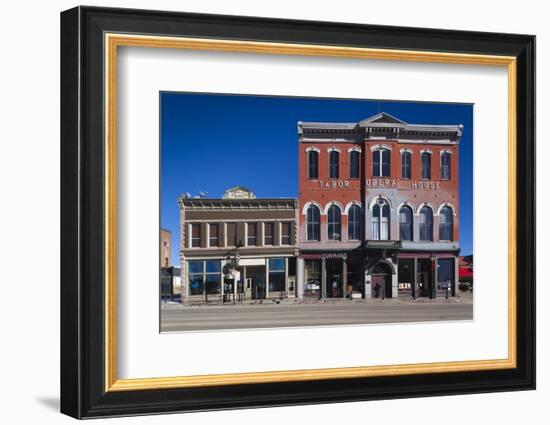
(82, 204)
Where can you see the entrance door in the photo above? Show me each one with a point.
(381, 281)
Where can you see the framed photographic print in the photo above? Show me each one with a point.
(261, 212)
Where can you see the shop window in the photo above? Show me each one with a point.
(276, 274)
(334, 223)
(313, 223)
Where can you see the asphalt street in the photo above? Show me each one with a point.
(192, 318)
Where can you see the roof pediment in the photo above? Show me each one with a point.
(382, 119)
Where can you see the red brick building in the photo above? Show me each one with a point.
(378, 208)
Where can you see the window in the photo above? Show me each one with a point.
(313, 164)
(381, 221)
(446, 224)
(381, 163)
(212, 277)
(354, 158)
(405, 223)
(334, 223)
(285, 233)
(251, 237)
(231, 234)
(312, 278)
(268, 233)
(354, 223)
(334, 159)
(426, 224)
(195, 235)
(166, 262)
(313, 223)
(213, 235)
(406, 165)
(276, 274)
(196, 277)
(426, 166)
(445, 166)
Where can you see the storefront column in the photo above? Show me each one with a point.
(222, 280)
(286, 277)
(245, 289)
(413, 282)
(323, 278)
(435, 278)
(344, 277)
(266, 278)
(455, 282)
(300, 277)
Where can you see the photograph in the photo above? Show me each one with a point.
(280, 211)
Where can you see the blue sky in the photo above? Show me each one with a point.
(210, 142)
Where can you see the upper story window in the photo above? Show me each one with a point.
(354, 223)
(426, 224)
(381, 221)
(333, 168)
(354, 158)
(334, 223)
(231, 234)
(269, 230)
(446, 224)
(213, 235)
(252, 229)
(445, 166)
(406, 223)
(426, 165)
(406, 159)
(313, 164)
(313, 223)
(195, 235)
(381, 163)
(285, 233)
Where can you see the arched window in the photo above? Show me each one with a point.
(334, 223)
(446, 224)
(406, 165)
(381, 163)
(354, 165)
(381, 221)
(426, 224)
(313, 164)
(354, 223)
(406, 223)
(445, 166)
(313, 223)
(334, 159)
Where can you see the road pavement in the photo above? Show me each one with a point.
(217, 317)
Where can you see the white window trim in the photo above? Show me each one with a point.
(330, 204)
(354, 149)
(313, 148)
(378, 146)
(350, 204)
(446, 204)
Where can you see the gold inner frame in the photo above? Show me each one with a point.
(113, 41)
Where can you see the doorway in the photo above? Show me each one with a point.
(381, 281)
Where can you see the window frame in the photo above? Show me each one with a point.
(315, 225)
(311, 164)
(406, 154)
(425, 154)
(380, 166)
(336, 224)
(354, 154)
(333, 166)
